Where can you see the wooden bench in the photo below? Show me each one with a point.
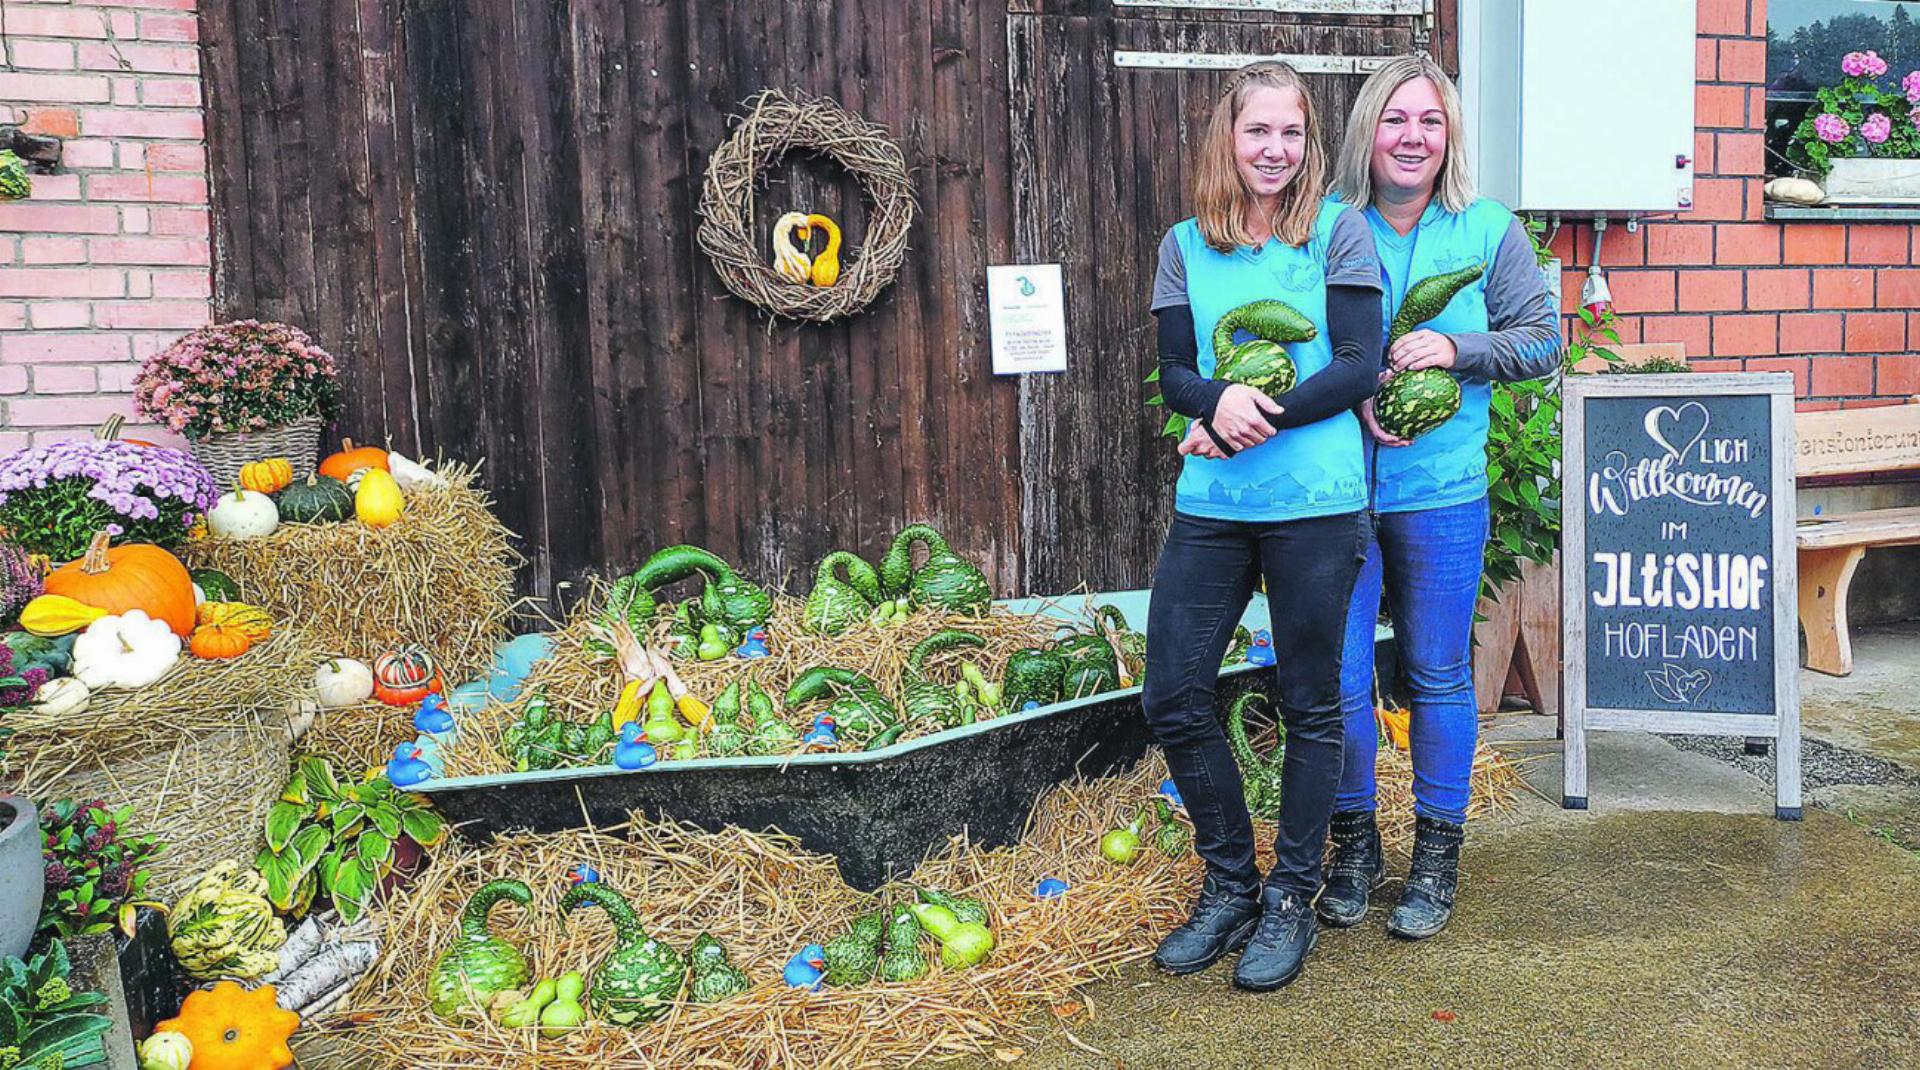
(1848, 442)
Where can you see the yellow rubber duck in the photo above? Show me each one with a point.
(787, 259)
(826, 266)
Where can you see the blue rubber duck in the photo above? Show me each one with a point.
(1051, 888)
(581, 873)
(807, 968)
(633, 751)
(433, 717)
(1172, 792)
(1261, 652)
(406, 769)
(755, 646)
(822, 735)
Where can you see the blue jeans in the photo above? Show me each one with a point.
(1430, 561)
(1200, 589)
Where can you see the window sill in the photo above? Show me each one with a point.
(1845, 213)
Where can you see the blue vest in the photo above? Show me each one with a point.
(1316, 470)
(1448, 465)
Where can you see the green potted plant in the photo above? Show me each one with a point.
(43, 1021)
(342, 841)
(1861, 139)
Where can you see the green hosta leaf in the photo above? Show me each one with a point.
(296, 791)
(347, 820)
(320, 778)
(425, 827)
(376, 850)
(282, 822)
(308, 845)
(387, 820)
(353, 884)
(281, 880)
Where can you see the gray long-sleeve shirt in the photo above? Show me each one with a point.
(1523, 336)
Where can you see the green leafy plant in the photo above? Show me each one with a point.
(325, 837)
(93, 868)
(43, 1021)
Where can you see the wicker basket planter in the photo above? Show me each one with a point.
(298, 442)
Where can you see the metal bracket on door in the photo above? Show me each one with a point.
(1233, 61)
(1292, 7)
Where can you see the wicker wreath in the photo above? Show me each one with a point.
(776, 123)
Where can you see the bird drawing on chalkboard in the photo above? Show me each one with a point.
(1676, 685)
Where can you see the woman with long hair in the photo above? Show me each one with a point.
(1272, 487)
(1403, 164)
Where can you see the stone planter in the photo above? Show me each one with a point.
(1854, 181)
(22, 873)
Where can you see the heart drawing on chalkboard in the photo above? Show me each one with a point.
(1676, 685)
(1677, 429)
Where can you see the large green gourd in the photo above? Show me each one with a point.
(1275, 321)
(319, 500)
(836, 604)
(1091, 668)
(853, 956)
(713, 977)
(1259, 776)
(924, 701)
(478, 964)
(860, 712)
(14, 183)
(734, 604)
(1034, 675)
(770, 734)
(640, 979)
(947, 581)
(1262, 362)
(1414, 403)
(903, 961)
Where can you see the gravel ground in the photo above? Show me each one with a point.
(1822, 764)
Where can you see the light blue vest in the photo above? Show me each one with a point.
(1316, 470)
(1448, 465)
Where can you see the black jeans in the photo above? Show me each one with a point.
(1201, 588)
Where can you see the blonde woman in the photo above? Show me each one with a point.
(1270, 486)
(1403, 164)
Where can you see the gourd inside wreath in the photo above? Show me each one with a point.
(810, 183)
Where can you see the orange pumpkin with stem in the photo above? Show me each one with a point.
(351, 459)
(217, 642)
(234, 1029)
(268, 476)
(134, 576)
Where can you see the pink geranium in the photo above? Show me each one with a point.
(1863, 64)
(1831, 128)
(1910, 85)
(1877, 128)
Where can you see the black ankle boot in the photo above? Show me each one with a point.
(1427, 901)
(1357, 869)
(1221, 922)
(1278, 950)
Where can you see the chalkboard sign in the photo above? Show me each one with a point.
(1679, 562)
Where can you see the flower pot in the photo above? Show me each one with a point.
(1857, 181)
(223, 455)
(23, 873)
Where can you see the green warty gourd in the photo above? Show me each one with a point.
(904, 961)
(713, 978)
(853, 956)
(946, 581)
(639, 980)
(1261, 362)
(1260, 776)
(478, 965)
(769, 734)
(927, 702)
(860, 711)
(836, 605)
(1414, 403)
(730, 602)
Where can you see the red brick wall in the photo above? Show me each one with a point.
(1838, 305)
(108, 261)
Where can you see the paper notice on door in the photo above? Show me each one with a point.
(1027, 318)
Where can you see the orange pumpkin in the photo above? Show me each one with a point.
(234, 1029)
(351, 459)
(134, 576)
(268, 476)
(217, 642)
(405, 676)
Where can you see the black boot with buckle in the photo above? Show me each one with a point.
(1427, 901)
(1222, 921)
(1357, 869)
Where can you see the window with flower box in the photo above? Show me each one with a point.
(1843, 81)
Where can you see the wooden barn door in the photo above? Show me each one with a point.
(1108, 99)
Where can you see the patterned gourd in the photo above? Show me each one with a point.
(1260, 776)
(853, 956)
(14, 183)
(1091, 668)
(947, 580)
(734, 604)
(1414, 403)
(858, 708)
(478, 964)
(903, 961)
(924, 701)
(770, 734)
(713, 977)
(639, 981)
(1034, 675)
(319, 500)
(836, 604)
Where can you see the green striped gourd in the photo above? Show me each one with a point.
(729, 601)
(713, 977)
(1034, 675)
(1414, 403)
(924, 701)
(770, 734)
(14, 183)
(836, 604)
(853, 956)
(725, 738)
(1262, 362)
(860, 712)
(1091, 667)
(1259, 776)
(947, 580)
(903, 961)
(478, 964)
(642, 976)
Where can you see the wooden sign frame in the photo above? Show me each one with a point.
(1783, 724)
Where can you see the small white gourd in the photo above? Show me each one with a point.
(166, 1051)
(342, 682)
(65, 697)
(412, 475)
(243, 514)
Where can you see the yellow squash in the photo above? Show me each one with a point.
(56, 614)
(378, 503)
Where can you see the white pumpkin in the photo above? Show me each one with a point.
(166, 1051)
(64, 697)
(243, 514)
(128, 651)
(342, 682)
(412, 475)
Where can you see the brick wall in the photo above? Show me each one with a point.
(108, 261)
(1836, 304)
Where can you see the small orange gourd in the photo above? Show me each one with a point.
(351, 459)
(268, 476)
(234, 1029)
(217, 642)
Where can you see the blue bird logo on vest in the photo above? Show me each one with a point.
(1296, 276)
(1451, 262)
